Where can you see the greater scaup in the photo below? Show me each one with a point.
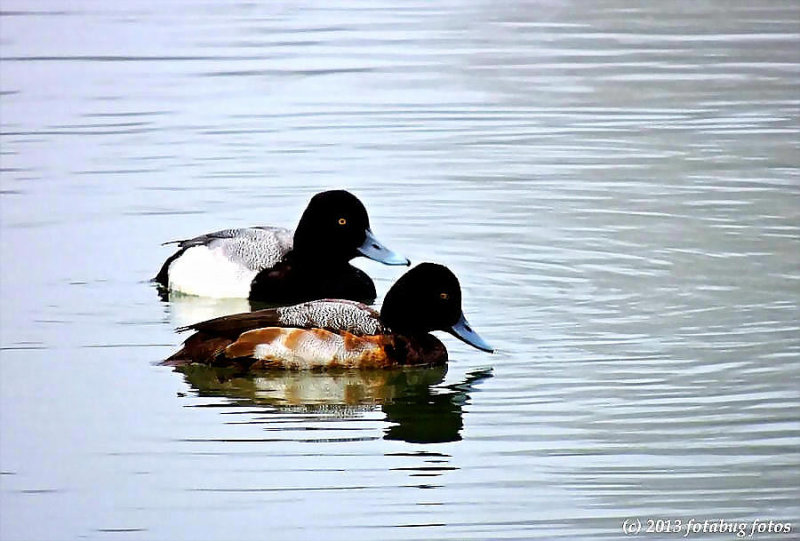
(270, 264)
(340, 333)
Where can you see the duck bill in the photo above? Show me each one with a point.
(463, 331)
(374, 249)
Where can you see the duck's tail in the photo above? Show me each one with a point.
(163, 275)
(198, 348)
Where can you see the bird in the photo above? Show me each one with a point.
(339, 333)
(277, 266)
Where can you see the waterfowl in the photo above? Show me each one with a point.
(272, 264)
(333, 333)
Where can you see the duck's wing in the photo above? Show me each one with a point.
(254, 248)
(235, 324)
(330, 314)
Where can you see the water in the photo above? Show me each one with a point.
(615, 184)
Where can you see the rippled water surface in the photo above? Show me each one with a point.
(615, 183)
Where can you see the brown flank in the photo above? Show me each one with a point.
(245, 346)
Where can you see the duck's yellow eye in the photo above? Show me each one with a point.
(444, 296)
(342, 221)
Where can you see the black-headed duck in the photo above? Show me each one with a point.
(274, 265)
(334, 333)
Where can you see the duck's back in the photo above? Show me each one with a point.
(329, 314)
(224, 263)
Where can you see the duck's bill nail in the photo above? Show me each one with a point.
(463, 331)
(374, 249)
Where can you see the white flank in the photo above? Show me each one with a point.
(313, 350)
(208, 272)
(309, 352)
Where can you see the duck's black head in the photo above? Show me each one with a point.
(335, 227)
(428, 298)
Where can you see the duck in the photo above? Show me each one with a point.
(339, 333)
(277, 266)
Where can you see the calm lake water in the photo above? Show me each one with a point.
(617, 185)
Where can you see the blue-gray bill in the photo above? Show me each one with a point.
(374, 249)
(463, 331)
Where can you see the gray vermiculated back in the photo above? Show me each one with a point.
(350, 316)
(256, 248)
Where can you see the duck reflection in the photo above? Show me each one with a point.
(426, 414)
(188, 309)
(418, 409)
